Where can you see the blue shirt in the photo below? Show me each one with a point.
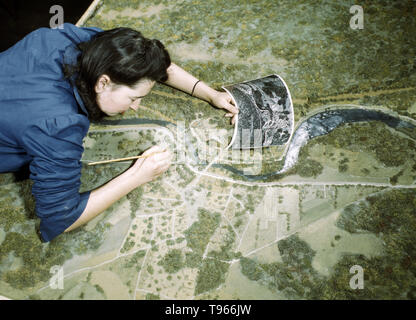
(43, 122)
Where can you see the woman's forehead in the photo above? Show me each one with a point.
(143, 85)
(139, 89)
(144, 82)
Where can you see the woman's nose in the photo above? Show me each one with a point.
(135, 105)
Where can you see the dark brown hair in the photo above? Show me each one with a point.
(124, 55)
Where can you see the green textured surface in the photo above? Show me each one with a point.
(201, 232)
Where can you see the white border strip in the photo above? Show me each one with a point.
(236, 121)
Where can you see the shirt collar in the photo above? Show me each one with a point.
(79, 100)
(70, 57)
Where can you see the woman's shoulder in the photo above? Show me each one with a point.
(42, 49)
(69, 33)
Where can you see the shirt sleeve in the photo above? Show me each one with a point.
(55, 147)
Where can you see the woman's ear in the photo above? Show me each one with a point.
(103, 83)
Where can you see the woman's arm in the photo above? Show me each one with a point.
(144, 170)
(182, 80)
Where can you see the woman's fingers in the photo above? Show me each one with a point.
(234, 119)
(154, 155)
(233, 110)
(223, 100)
(153, 149)
(162, 156)
(157, 153)
(164, 167)
(229, 107)
(162, 161)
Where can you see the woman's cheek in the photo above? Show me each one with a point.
(120, 102)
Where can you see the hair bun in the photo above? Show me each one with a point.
(148, 44)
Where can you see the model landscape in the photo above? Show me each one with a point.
(220, 224)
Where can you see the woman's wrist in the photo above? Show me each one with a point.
(182, 80)
(203, 91)
(134, 177)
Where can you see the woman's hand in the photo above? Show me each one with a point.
(223, 100)
(148, 169)
(143, 170)
(182, 80)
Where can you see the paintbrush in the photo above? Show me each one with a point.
(125, 159)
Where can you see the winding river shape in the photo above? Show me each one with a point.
(314, 126)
